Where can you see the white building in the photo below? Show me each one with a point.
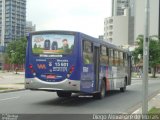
(119, 29)
(30, 27)
(118, 7)
(140, 17)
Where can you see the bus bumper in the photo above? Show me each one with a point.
(65, 85)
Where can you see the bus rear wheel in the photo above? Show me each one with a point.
(64, 94)
(102, 92)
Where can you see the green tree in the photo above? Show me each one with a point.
(16, 51)
(138, 52)
(154, 52)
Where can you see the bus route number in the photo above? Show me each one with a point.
(58, 64)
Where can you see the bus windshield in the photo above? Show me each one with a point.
(52, 44)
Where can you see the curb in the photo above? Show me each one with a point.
(150, 103)
(14, 90)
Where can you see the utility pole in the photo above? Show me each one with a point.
(145, 59)
(159, 21)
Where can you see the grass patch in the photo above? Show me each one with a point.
(20, 83)
(154, 111)
(3, 88)
(134, 74)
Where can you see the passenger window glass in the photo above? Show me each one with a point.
(104, 55)
(87, 52)
(111, 56)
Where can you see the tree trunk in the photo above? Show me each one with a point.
(154, 72)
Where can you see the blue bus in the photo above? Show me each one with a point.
(69, 62)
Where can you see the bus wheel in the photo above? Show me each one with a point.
(64, 94)
(123, 89)
(102, 92)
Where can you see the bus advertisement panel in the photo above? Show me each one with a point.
(52, 44)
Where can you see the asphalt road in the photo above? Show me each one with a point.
(37, 102)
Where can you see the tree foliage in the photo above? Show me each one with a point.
(16, 51)
(154, 52)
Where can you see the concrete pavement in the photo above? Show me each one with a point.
(152, 102)
(9, 81)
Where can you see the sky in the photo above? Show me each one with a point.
(85, 16)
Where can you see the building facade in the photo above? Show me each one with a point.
(30, 27)
(119, 29)
(116, 30)
(12, 20)
(119, 6)
(12, 23)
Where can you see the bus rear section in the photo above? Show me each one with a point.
(51, 63)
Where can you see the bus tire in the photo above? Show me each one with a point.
(102, 92)
(64, 94)
(123, 89)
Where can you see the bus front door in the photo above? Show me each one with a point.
(96, 67)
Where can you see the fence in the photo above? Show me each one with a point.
(13, 67)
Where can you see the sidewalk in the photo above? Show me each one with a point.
(135, 76)
(154, 101)
(10, 81)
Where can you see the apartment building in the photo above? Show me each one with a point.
(12, 20)
(119, 28)
(30, 27)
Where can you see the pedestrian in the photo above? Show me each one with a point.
(16, 69)
(140, 73)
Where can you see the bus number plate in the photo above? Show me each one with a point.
(50, 76)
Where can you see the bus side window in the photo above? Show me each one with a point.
(87, 52)
(116, 58)
(125, 59)
(107, 54)
(110, 56)
(104, 56)
(121, 58)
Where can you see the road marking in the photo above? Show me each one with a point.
(9, 98)
(135, 83)
(138, 111)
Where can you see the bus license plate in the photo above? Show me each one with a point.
(50, 76)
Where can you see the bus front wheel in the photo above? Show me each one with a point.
(64, 94)
(102, 92)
